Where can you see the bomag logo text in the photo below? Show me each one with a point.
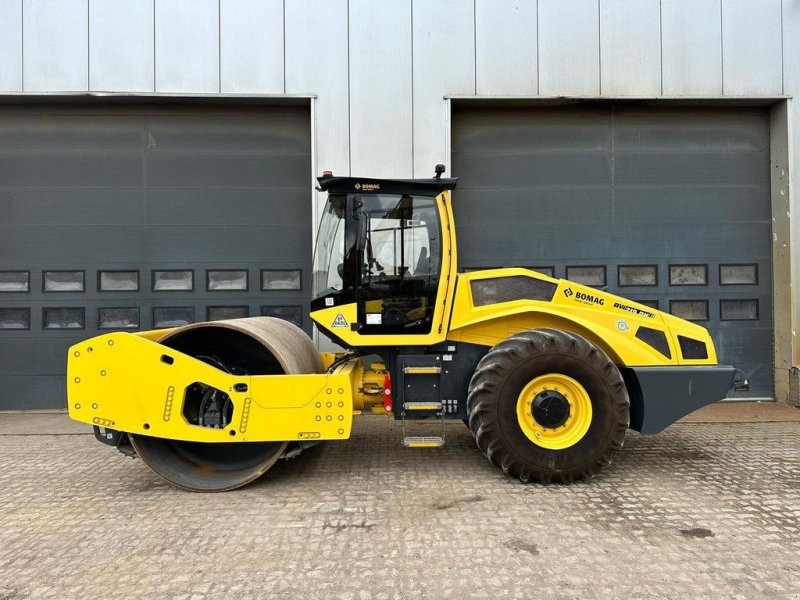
(368, 187)
(589, 299)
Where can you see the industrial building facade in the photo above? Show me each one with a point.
(157, 157)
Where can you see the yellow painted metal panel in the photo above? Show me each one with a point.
(607, 320)
(123, 381)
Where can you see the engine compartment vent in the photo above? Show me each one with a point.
(508, 289)
(692, 349)
(655, 339)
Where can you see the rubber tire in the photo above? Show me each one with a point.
(508, 367)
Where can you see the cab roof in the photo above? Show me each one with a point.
(364, 185)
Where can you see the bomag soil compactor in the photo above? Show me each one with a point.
(547, 373)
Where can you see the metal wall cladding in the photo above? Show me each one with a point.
(55, 49)
(630, 47)
(11, 45)
(380, 102)
(187, 46)
(251, 46)
(121, 45)
(691, 47)
(443, 63)
(507, 63)
(569, 48)
(338, 50)
(610, 186)
(115, 194)
(751, 44)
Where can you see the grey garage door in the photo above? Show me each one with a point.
(135, 217)
(667, 206)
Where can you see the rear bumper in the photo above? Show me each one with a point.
(662, 395)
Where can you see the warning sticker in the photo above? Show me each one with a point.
(339, 322)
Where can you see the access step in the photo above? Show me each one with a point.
(437, 406)
(422, 370)
(423, 442)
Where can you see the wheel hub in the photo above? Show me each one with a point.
(550, 409)
(554, 411)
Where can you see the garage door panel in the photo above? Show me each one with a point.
(32, 392)
(249, 131)
(686, 129)
(78, 245)
(502, 130)
(491, 206)
(38, 353)
(678, 204)
(646, 186)
(226, 170)
(144, 189)
(537, 169)
(668, 168)
(70, 206)
(69, 132)
(86, 170)
(261, 205)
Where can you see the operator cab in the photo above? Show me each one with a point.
(379, 247)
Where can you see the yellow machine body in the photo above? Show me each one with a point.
(129, 383)
(609, 321)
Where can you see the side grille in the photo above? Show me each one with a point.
(655, 339)
(508, 289)
(692, 349)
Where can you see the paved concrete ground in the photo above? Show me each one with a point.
(707, 510)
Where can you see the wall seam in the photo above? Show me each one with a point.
(88, 45)
(22, 45)
(349, 119)
(599, 53)
(284, 46)
(721, 51)
(475, 43)
(661, 42)
(154, 46)
(219, 46)
(538, 66)
(783, 57)
(413, 140)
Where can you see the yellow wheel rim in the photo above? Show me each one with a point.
(565, 431)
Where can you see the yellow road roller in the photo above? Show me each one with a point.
(548, 374)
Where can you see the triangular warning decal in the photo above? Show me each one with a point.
(339, 322)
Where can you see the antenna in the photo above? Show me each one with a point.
(439, 170)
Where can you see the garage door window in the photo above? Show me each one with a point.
(738, 310)
(738, 274)
(63, 281)
(15, 318)
(173, 280)
(172, 316)
(222, 280)
(688, 274)
(221, 313)
(637, 275)
(691, 310)
(15, 281)
(118, 318)
(280, 279)
(64, 318)
(118, 281)
(293, 314)
(594, 276)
